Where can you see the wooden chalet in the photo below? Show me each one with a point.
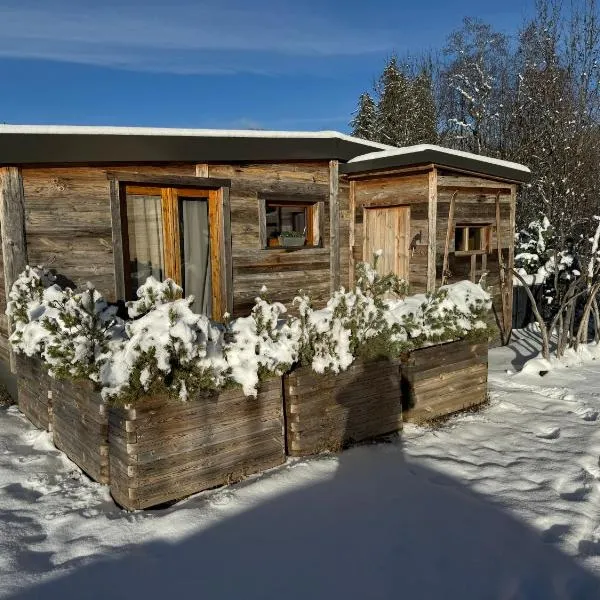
(208, 209)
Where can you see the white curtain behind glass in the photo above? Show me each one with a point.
(196, 255)
(145, 228)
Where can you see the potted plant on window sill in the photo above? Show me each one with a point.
(292, 239)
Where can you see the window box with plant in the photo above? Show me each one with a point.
(292, 239)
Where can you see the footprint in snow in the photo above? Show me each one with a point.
(555, 533)
(588, 414)
(549, 433)
(590, 545)
(575, 487)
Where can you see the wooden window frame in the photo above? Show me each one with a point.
(485, 238)
(315, 211)
(170, 189)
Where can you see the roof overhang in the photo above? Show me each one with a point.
(37, 145)
(413, 156)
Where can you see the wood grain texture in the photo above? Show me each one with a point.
(163, 450)
(120, 253)
(327, 412)
(443, 379)
(80, 426)
(33, 385)
(334, 229)
(432, 228)
(12, 227)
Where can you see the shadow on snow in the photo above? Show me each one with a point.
(381, 527)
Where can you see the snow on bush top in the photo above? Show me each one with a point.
(166, 347)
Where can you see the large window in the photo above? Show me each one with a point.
(175, 233)
(290, 223)
(471, 239)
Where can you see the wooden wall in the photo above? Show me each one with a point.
(284, 272)
(475, 202)
(411, 190)
(68, 221)
(68, 226)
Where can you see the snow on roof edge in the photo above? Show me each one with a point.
(183, 132)
(390, 153)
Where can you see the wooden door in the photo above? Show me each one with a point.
(388, 230)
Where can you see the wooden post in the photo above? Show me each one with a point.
(432, 230)
(448, 238)
(502, 274)
(352, 212)
(511, 258)
(334, 225)
(202, 170)
(117, 240)
(12, 224)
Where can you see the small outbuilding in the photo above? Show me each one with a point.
(224, 212)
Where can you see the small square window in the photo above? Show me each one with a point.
(291, 224)
(472, 239)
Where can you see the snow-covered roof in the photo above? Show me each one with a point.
(429, 153)
(38, 144)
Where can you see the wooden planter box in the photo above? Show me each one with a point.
(80, 426)
(163, 449)
(33, 387)
(327, 412)
(439, 380)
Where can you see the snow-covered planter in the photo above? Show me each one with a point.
(162, 449)
(329, 411)
(443, 378)
(29, 303)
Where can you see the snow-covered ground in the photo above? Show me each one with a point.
(503, 503)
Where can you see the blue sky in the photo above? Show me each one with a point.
(273, 64)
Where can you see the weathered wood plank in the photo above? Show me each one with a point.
(12, 226)
(431, 226)
(442, 379)
(343, 408)
(334, 228)
(182, 448)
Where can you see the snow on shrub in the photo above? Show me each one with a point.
(168, 349)
(453, 312)
(32, 301)
(262, 344)
(534, 246)
(80, 331)
(153, 293)
(352, 324)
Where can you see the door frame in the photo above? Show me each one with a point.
(367, 207)
(170, 188)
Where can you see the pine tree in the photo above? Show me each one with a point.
(403, 112)
(364, 123)
(423, 128)
(393, 107)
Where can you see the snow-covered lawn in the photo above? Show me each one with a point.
(503, 503)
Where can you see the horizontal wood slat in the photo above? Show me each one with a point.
(326, 412)
(163, 449)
